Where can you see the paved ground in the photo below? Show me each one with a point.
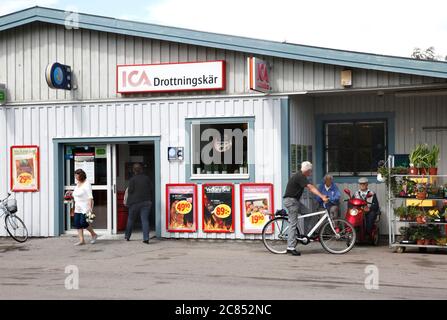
(184, 269)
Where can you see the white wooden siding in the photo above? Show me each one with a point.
(39, 125)
(26, 51)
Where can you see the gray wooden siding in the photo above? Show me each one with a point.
(26, 51)
(411, 115)
(24, 125)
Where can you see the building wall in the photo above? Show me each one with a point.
(40, 124)
(411, 115)
(26, 51)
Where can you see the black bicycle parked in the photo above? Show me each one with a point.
(13, 224)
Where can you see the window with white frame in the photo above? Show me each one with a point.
(354, 148)
(219, 148)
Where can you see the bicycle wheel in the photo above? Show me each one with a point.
(16, 228)
(338, 242)
(276, 242)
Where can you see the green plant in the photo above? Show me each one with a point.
(401, 212)
(419, 156)
(433, 157)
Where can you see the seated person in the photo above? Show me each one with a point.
(372, 210)
(330, 189)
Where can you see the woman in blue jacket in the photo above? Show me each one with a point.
(330, 189)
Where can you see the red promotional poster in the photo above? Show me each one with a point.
(25, 168)
(218, 211)
(181, 207)
(257, 207)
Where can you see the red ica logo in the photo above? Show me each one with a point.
(262, 75)
(136, 78)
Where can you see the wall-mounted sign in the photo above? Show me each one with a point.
(58, 76)
(181, 207)
(25, 168)
(346, 78)
(2, 94)
(218, 211)
(170, 77)
(259, 72)
(175, 154)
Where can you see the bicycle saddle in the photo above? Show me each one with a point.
(281, 213)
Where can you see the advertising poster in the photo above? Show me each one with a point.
(25, 168)
(218, 211)
(86, 162)
(181, 207)
(257, 207)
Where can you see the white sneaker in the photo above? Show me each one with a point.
(93, 241)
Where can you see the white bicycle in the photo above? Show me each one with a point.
(337, 236)
(13, 224)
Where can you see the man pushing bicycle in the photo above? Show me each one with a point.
(292, 196)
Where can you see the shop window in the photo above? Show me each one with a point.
(354, 148)
(219, 149)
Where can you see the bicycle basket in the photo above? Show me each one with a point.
(11, 205)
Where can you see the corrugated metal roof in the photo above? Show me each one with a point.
(228, 42)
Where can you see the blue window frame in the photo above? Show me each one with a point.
(355, 129)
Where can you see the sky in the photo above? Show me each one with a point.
(391, 27)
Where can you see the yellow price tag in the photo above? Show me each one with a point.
(257, 219)
(183, 207)
(222, 211)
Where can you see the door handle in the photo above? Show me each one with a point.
(114, 188)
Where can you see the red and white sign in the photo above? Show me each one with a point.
(171, 77)
(257, 207)
(259, 75)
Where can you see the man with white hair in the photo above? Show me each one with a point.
(292, 196)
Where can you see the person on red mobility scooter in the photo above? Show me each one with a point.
(371, 209)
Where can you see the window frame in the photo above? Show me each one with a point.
(354, 122)
(205, 178)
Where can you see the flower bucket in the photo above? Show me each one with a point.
(414, 171)
(422, 171)
(433, 171)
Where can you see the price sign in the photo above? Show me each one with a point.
(183, 207)
(256, 207)
(257, 219)
(222, 211)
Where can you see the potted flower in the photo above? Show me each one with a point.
(432, 160)
(418, 159)
(421, 192)
(402, 213)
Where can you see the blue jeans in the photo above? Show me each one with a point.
(141, 209)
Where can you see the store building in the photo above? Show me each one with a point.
(342, 110)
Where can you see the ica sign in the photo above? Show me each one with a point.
(259, 71)
(170, 77)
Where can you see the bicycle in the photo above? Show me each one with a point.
(337, 232)
(13, 224)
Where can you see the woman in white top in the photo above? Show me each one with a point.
(83, 198)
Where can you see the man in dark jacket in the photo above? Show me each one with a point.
(372, 210)
(139, 201)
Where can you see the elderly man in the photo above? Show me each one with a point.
(372, 209)
(330, 189)
(292, 196)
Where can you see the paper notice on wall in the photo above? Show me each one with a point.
(86, 162)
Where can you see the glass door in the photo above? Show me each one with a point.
(96, 161)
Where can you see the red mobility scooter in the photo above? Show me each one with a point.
(355, 215)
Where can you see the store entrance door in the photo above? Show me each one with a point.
(96, 161)
(124, 156)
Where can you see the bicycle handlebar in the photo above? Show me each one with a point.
(9, 194)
